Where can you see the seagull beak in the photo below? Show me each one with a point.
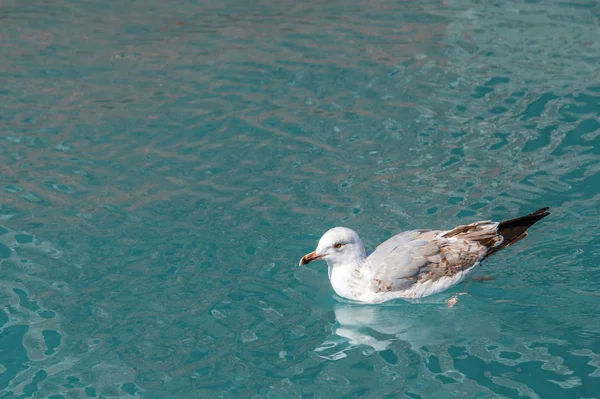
(306, 259)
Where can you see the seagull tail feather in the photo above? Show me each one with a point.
(514, 230)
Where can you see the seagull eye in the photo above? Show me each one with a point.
(337, 245)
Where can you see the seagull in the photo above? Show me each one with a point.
(415, 263)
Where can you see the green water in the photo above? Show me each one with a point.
(165, 164)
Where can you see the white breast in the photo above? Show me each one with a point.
(348, 283)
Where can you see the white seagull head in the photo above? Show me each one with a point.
(338, 246)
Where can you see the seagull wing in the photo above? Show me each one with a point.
(420, 256)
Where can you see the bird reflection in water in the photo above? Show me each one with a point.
(375, 328)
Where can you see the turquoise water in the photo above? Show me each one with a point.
(165, 164)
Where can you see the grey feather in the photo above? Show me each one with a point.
(421, 255)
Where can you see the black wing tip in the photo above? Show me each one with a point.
(540, 213)
(526, 221)
(514, 230)
(543, 212)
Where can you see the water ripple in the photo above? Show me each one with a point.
(165, 164)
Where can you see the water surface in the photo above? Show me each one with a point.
(166, 164)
